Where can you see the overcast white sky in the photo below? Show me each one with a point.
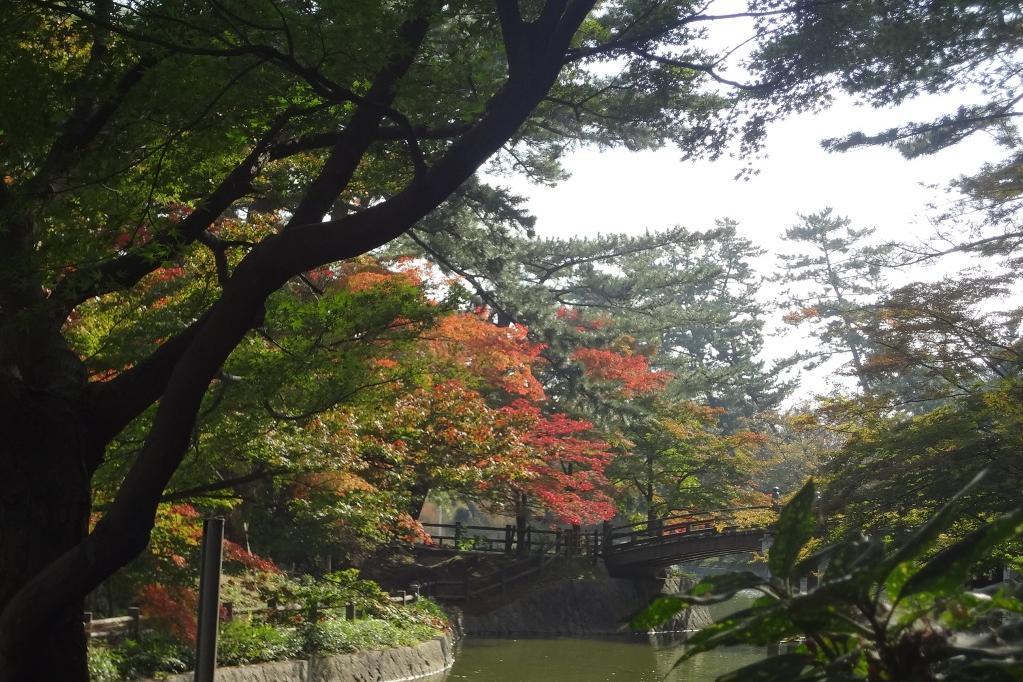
(622, 191)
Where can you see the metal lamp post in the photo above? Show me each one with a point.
(209, 599)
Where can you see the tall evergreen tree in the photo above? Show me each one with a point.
(831, 282)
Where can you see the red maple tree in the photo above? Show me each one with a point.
(564, 469)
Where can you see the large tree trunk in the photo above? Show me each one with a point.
(46, 461)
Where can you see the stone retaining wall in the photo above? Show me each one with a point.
(389, 665)
(591, 605)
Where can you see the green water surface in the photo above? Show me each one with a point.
(588, 660)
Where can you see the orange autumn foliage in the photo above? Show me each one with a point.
(630, 370)
(501, 356)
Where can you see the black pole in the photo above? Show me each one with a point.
(209, 599)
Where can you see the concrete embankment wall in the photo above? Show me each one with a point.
(389, 665)
(588, 605)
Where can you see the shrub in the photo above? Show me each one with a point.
(154, 653)
(170, 608)
(427, 612)
(243, 641)
(333, 591)
(103, 664)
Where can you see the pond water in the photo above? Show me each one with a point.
(588, 660)
(639, 658)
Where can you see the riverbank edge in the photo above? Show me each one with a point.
(397, 664)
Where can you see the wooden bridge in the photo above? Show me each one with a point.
(635, 550)
(643, 549)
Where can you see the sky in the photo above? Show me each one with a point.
(623, 191)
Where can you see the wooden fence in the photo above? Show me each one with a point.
(133, 624)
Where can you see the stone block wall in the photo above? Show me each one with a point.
(399, 664)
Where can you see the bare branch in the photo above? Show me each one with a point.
(624, 42)
(477, 286)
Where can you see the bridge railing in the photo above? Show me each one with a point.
(509, 540)
(465, 537)
(577, 542)
(687, 524)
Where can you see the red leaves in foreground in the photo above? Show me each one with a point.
(233, 552)
(170, 608)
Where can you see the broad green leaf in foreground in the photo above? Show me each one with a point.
(710, 590)
(795, 526)
(783, 667)
(925, 535)
(660, 611)
(758, 626)
(950, 568)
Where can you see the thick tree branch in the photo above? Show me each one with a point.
(322, 85)
(86, 121)
(219, 248)
(82, 127)
(128, 395)
(355, 139)
(259, 474)
(116, 402)
(124, 531)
